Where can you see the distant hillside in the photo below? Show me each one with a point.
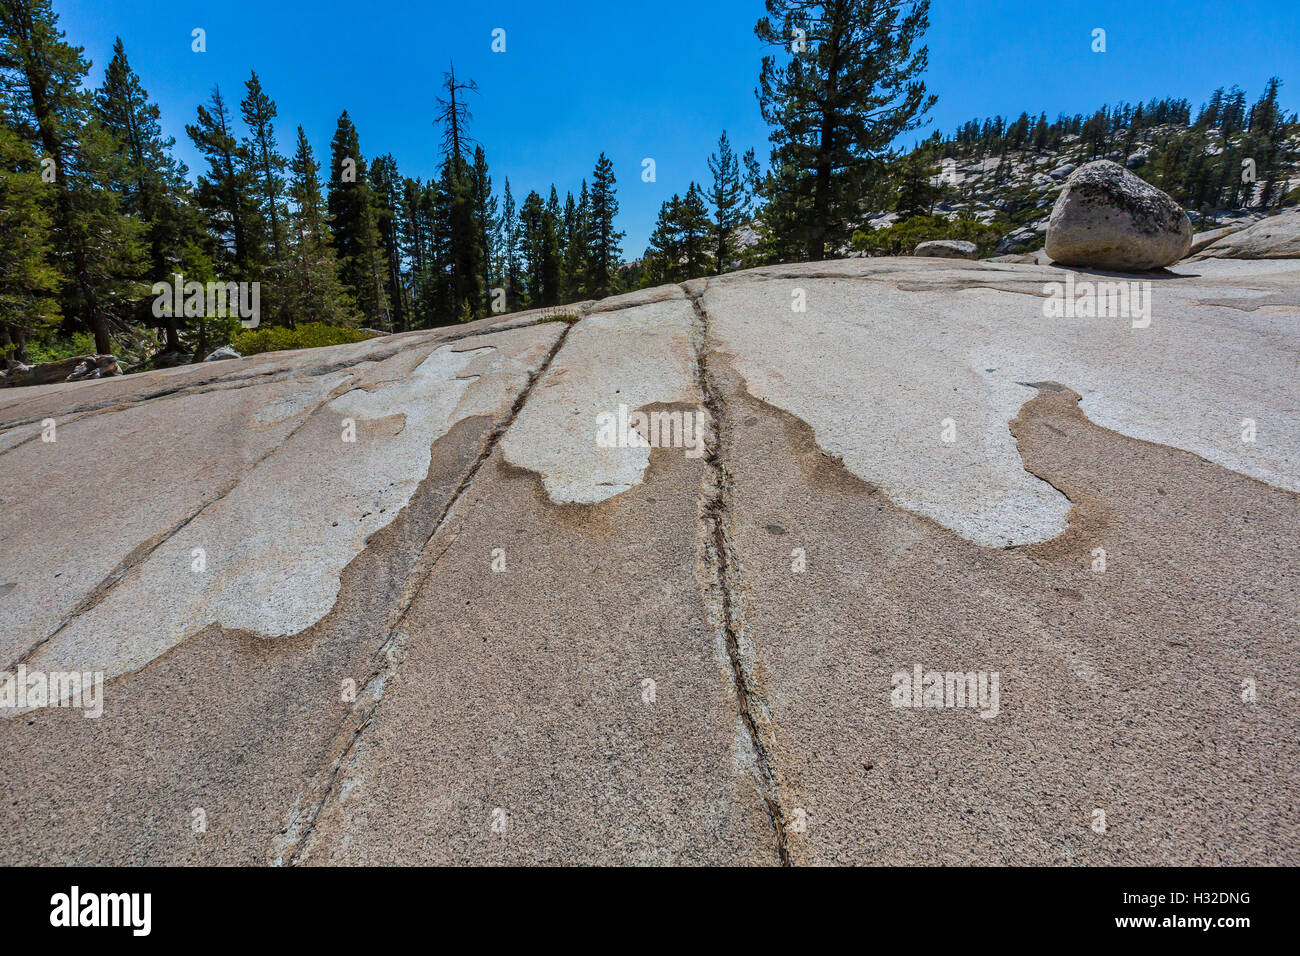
(997, 179)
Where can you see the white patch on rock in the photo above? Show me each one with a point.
(276, 545)
(876, 371)
(635, 357)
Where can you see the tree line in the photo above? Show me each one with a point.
(101, 210)
(95, 208)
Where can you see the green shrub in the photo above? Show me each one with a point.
(903, 237)
(80, 343)
(308, 335)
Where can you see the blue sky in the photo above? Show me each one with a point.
(658, 79)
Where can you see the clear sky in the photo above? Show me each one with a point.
(656, 79)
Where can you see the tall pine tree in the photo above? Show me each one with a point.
(308, 278)
(28, 282)
(153, 188)
(97, 246)
(834, 107)
(387, 186)
(732, 196)
(354, 220)
(265, 164)
(225, 191)
(463, 230)
(603, 249)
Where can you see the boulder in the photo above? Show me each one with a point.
(1108, 218)
(947, 249)
(1015, 242)
(1065, 169)
(225, 352)
(1277, 237)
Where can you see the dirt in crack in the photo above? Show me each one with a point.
(725, 576)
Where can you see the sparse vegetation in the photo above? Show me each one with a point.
(309, 335)
(902, 237)
(549, 316)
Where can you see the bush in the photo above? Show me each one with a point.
(902, 237)
(81, 343)
(308, 335)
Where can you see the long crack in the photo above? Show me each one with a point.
(715, 516)
(294, 845)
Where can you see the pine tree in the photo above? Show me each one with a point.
(512, 267)
(835, 107)
(915, 183)
(153, 188)
(97, 247)
(731, 196)
(354, 222)
(576, 241)
(265, 165)
(696, 232)
(225, 191)
(662, 260)
(556, 213)
(681, 244)
(442, 287)
(463, 231)
(308, 278)
(1266, 144)
(387, 185)
(604, 251)
(540, 249)
(486, 224)
(28, 283)
(418, 245)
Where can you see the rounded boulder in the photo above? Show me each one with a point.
(1108, 218)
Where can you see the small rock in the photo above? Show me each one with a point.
(1015, 242)
(94, 366)
(1203, 239)
(225, 352)
(947, 249)
(1060, 172)
(1277, 237)
(167, 358)
(1108, 218)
